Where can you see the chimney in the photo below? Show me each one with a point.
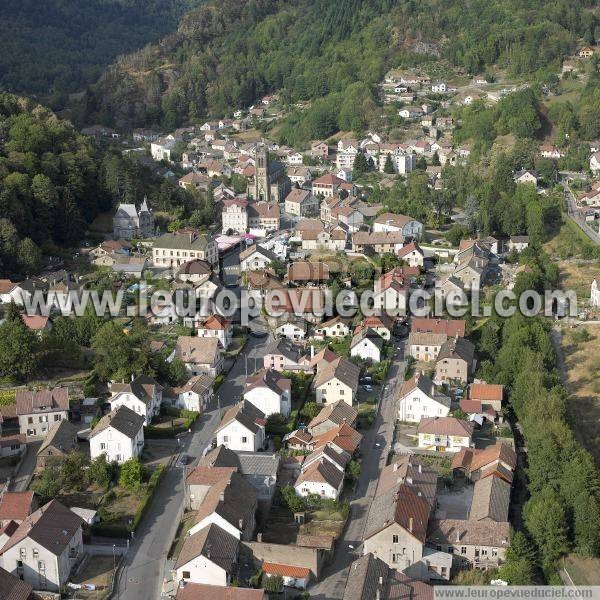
(132, 377)
(409, 480)
(380, 580)
(312, 351)
(395, 467)
(457, 536)
(259, 536)
(420, 468)
(241, 523)
(222, 496)
(377, 595)
(410, 524)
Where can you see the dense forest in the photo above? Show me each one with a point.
(54, 181)
(56, 47)
(226, 55)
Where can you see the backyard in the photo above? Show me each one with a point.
(96, 576)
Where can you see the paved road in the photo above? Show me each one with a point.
(374, 458)
(143, 571)
(26, 468)
(577, 216)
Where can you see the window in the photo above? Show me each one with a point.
(395, 539)
(185, 574)
(23, 553)
(102, 446)
(463, 549)
(225, 438)
(30, 420)
(494, 551)
(484, 552)
(396, 558)
(57, 417)
(41, 565)
(244, 440)
(451, 549)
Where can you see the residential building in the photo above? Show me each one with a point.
(130, 222)
(60, 441)
(229, 502)
(14, 588)
(174, 249)
(208, 556)
(284, 355)
(586, 52)
(340, 439)
(143, 395)
(319, 149)
(337, 381)
(234, 215)
(255, 258)
(299, 176)
(332, 416)
(216, 326)
(377, 242)
(390, 292)
(39, 410)
(196, 394)
(595, 162)
(370, 577)
(304, 272)
(16, 507)
(408, 226)
(119, 435)
(195, 181)
(45, 547)
(383, 324)
(444, 434)
(197, 591)
(270, 392)
(301, 203)
(322, 478)
(201, 355)
(337, 327)
(242, 428)
(292, 328)
(455, 361)
(487, 395)
(518, 243)
(264, 216)
(194, 271)
(425, 346)
(327, 185)
(448, 327)
(367, 345)
(497, 460)
(412, 255)
(420, 398)
(291, 575)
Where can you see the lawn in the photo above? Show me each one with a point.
(98, 571)
(581, 351)
(570, 242)
(582, 571)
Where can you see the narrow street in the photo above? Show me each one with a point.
(576, 215)
(143, 571)
(375, 446)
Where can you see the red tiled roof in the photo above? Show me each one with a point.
(486, 392)
(449, 327)
(208, 475)
(285, 570)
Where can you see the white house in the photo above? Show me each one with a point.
(595, 162)
(439, 88)
(292, 328)
(408, 226)
(367, 344)
(45, 548)
(595, 292)
(419, 398)
(321, 478)
(196, 394)
(119, 435)
(270, 392)
(337, 327)
(208, 556)
(526, 177)
(412, 255)
(444, 434)
(242, 428)
(201, 355)
(518, 243)
(292, 575)
(142, 395)
(216, 326)
(256, 258)
(337, 380)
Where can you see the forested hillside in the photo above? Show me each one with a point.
(54, 181)
(226, 54)
(59, 46)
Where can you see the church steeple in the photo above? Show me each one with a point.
(262, 183)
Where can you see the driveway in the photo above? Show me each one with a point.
(23, 476)
(374, 449)
(143, 571)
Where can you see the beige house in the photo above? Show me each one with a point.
(332, 416)
(379, 242)
(45, 547)
(444, 434)
(39, 410)
(263, 215)
(455, 361)
(201, 355)
(337, 381)
(337, 327)
(174, 249)
(425, 346)
(301, 203)
(396, 530)
(60, 441)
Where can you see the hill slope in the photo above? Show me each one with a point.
(61, 45)
(226, 54)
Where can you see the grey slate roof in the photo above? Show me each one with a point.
(245, 413)
(213, 542)
(62, 435)
(491, 498)
(123, 419)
